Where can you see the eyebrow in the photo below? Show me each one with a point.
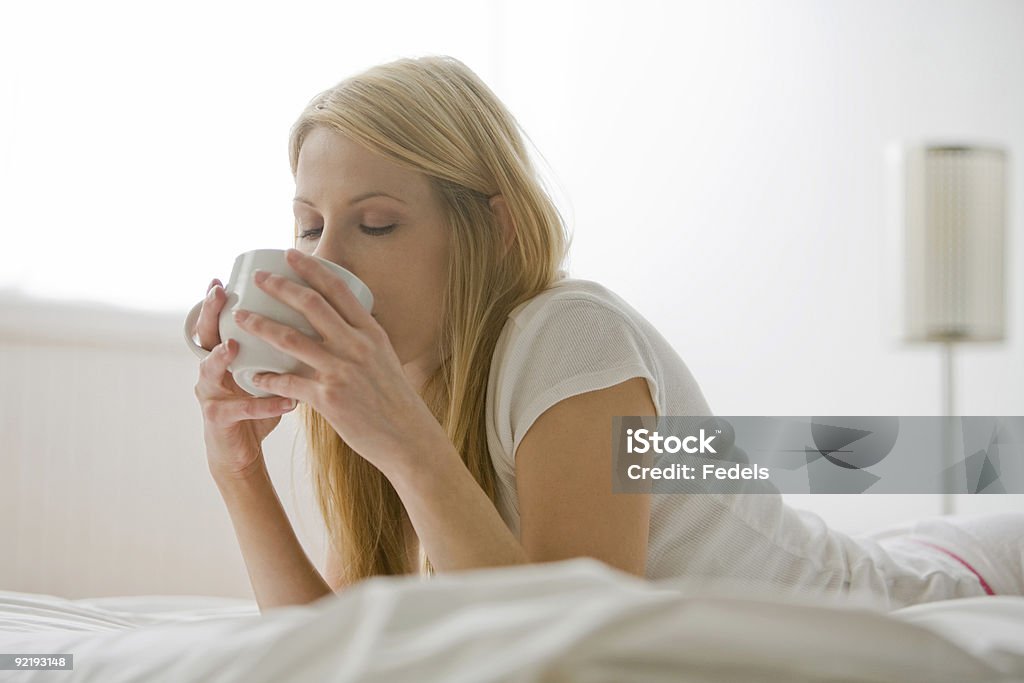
(355, 200)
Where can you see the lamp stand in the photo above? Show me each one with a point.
(950, 432)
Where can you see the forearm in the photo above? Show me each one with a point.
(456, 523)
(279, 570)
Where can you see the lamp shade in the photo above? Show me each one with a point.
(954, 242)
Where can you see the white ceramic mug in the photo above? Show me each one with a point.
(254, 354)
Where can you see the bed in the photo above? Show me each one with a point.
(577, 620)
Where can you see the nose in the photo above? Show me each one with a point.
(332, 255)
(322, 251)
(332, 246)
(324, 254)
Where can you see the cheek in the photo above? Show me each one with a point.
(434, 261)
(406, 293)
(407, 301)
(408, 282)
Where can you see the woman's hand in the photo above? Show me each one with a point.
(357, 381)
(234, 421)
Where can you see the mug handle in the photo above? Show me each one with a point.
(190, 322)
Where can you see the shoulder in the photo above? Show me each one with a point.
(574, 337)
(569, 304)
(574, 328)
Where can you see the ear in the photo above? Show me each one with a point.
(501, 211)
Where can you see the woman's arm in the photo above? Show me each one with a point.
(563, 475)
(455, 521)
(564, 482)
(279, 570)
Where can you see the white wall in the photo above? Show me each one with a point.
(730, 180)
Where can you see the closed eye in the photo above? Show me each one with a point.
(368, 229)
(383, 230)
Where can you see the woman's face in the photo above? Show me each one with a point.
(397, 245)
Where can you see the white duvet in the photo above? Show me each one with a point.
(577, 620)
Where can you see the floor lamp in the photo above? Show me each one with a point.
(954, 258)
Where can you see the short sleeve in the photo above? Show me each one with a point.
(571, 346)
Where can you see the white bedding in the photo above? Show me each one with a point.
(577, 620)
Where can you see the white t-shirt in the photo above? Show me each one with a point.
(578, 336)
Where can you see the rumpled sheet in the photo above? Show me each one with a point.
(577, 620)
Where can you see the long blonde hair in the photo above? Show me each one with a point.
(434, 115)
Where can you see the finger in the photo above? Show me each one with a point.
(212, 369)
(231, 410)
(332, 287)
(286, 384)
(208, 325)
(296, 344)
(321, 315)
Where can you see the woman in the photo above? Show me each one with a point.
(465, 422)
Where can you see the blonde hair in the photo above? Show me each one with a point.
(435, 116)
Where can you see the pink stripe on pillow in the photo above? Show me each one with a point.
(984, 583)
